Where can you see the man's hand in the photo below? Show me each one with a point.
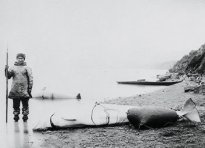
(6, 69)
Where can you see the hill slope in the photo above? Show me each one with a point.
(194, 62)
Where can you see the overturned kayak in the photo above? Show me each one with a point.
(164, 83)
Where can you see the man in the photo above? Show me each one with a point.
(21, 86)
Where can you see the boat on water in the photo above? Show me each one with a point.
(159, 83)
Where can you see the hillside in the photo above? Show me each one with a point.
(194, 62)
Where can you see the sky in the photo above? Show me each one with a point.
(100, 33)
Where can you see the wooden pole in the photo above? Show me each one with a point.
(7, 85)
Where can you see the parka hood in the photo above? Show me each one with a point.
(20, 64)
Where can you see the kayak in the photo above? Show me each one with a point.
(164, 83)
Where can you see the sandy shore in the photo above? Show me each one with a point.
(181, 134)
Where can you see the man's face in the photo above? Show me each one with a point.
(20, 60)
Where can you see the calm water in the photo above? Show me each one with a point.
(94, 85)
(97, 84)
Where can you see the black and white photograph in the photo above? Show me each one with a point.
(102, 73)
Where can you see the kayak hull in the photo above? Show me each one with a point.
(166, 83)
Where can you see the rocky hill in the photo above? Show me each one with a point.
(194, 62)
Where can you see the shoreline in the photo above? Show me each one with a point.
(180, 134)
(168, 97)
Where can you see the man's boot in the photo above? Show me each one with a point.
(25, 118)
(16, 118)
(16, 115)
(25, 113)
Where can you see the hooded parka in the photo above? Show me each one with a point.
(22, 81)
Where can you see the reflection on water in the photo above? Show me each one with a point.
(20, 134)
(25, 128)
(14, 135)
(17, 135)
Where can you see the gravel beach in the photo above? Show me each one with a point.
(181, 134)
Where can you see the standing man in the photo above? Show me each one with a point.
(21, 86)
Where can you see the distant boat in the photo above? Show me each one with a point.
(164, 83)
